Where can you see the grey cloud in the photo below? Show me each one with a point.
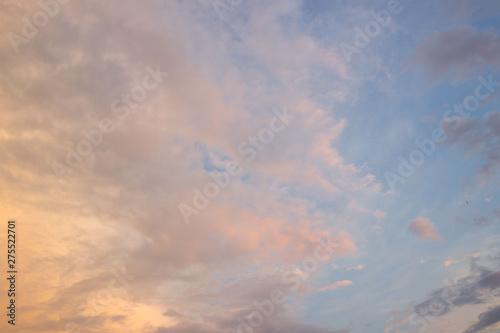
(477, 137)
(485, 320)
(118, 318)
(475, 288)
(272, 326)
(491, 281)
(461, 50)
(475, 9)
(467, 132)
(493, 119)
(488, 220)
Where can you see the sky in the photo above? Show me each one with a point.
(237, 166)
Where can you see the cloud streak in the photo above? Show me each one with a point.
(336, 285)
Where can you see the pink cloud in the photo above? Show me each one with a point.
(450, 261)
(424, 229)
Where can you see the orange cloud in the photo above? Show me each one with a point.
(336, 285)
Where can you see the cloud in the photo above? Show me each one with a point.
(450, 261)
(476, 288)
(118, 210)
(357, 268)
(491, 281)
(485, 221)
(477, 137)
(336, 285)
(485, 320)
(424, 229)
(474, 9)
(479, 287)
(274, 326)
(125, 194)
(460, 50)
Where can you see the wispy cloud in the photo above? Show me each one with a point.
(450, 261)
(156, 104)
(336, 285)
(356, 268)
